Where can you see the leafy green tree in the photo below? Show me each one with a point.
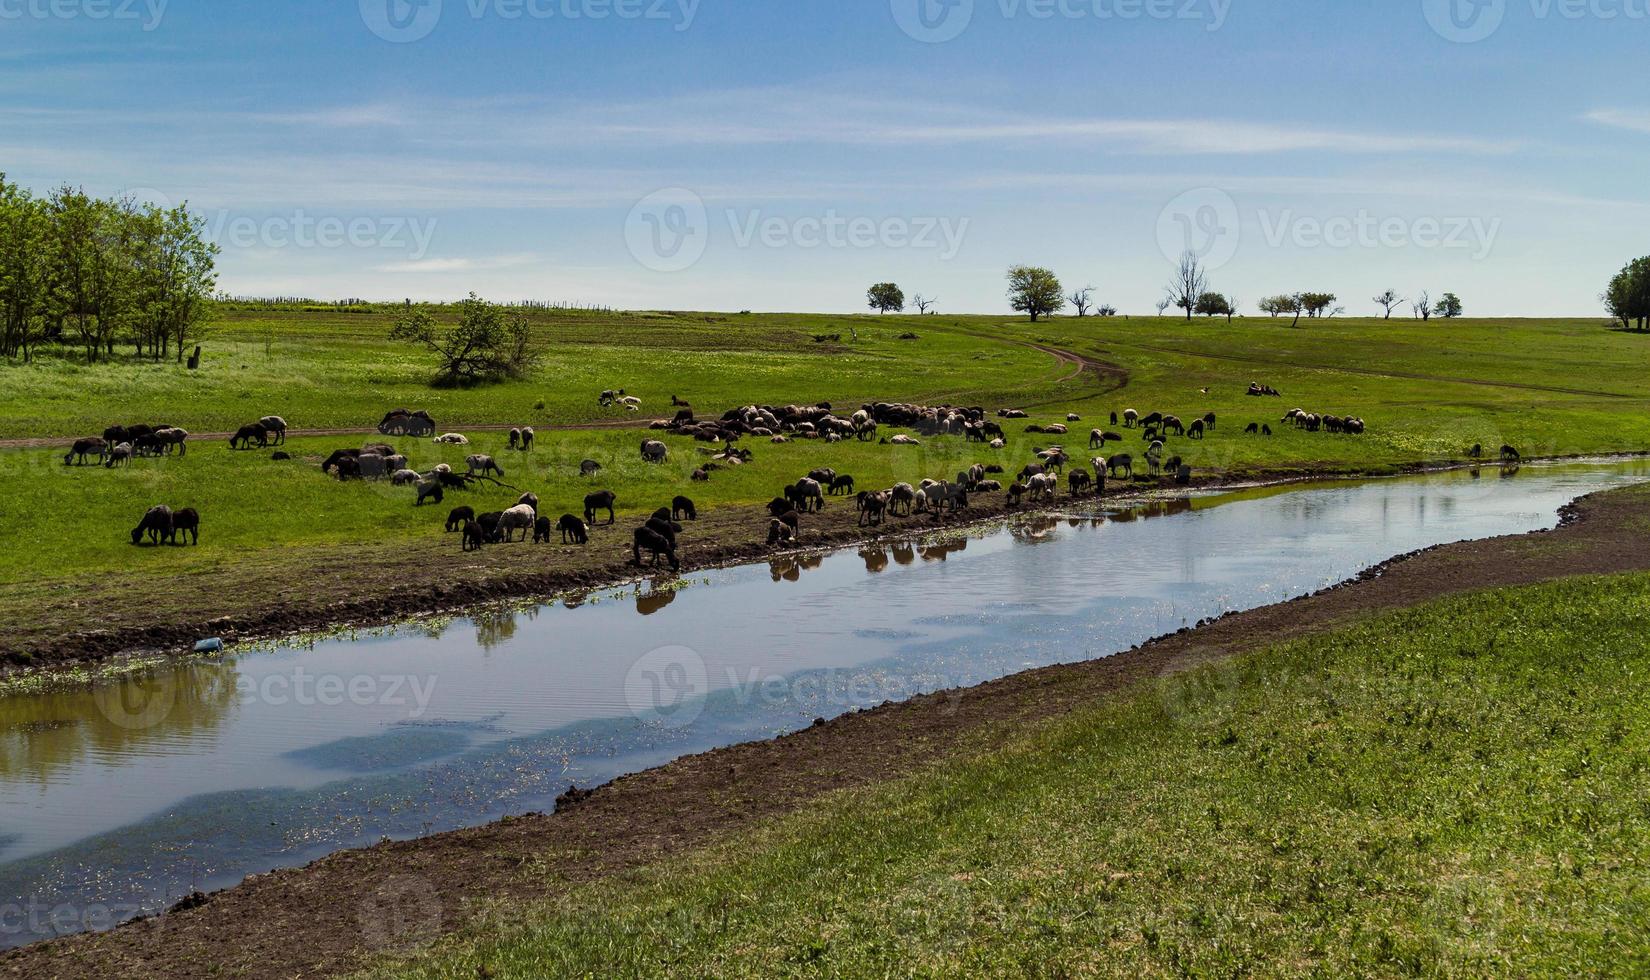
(1214, 304)
(1628, 296)
(1279, 305)
(1034, 290)
(885, 296)
(1316, 304)
(22, 271)
(1449, 307)
(488, 343)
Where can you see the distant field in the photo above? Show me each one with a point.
(1455, 790)
(1427, 392)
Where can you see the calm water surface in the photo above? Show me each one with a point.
(126, 798)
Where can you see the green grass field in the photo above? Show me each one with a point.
(1427, 392)
(1454, 790)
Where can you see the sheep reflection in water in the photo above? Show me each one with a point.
(651, 602)
(791, 567)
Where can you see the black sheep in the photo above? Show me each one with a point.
(573, 528)
(491, 532)
(473, 536)
(646, 538)
(541, 531)
(602, 500)
(683, 509)
(186, 521)
(459, 517)
(157, 523)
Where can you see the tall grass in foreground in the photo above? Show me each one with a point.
(1455, 790)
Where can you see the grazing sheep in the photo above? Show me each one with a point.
(1042, 487)
(780, 533)
(1130, 417)
(120, 455)
(474, 536)
(518, 518)
(1195, 430)
(452, 439)
(528, 437)
(1015, 492)
(83, 448)
(573, 530)
(247, 434)
(186, 521)
(683, 509)
(349, 468)
(515, 439)
(647, 539)
(1266, 430)
(371, 466)
(276, 427)
(902, 498)
(1173, 424)
(490, 526)
(589, 468)
(700, 476)
(395, 462)
(842, 486)
(481, 464)
(1123, 462)
(529, 499)
(1209, 420)
(602, 500)
(1097, 439)
(1253, 429)
(1511, 455)
(998, 444)
(1073, 417)
(805, 495)
(1080, 482)
(654, 451)
(873, 507)
(1055, 429)
(172, 438)
(403, 478)
(429, 490)
(156, 522)
(541, 531)
(459, 517)
(610, 396)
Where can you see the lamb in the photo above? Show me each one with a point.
(998, 444)
(474, 537)
(459, 517)
(246, 434)
(573, 530)
(157, 523)
(83, 448)
(780, 533)
(602, 500)
(120, 455)
(683, 509)
(646, 538)
(372, 466)
(806, 495)
(842, 486)
(1080, 482)
(1253, 429)
(173, 438)
(631, 404)
(654, 451)
(186, 521)
(700, 476)
(402, 478)
(1015, 492)
(589, 468)
(610, 396)
(489, 524)
(482, 464)
(1073, 417)
(1511, 455)
(1195, 430)
(275, 426)
(541, 531)
(518, 518)
(1209, 420)
(451, 439)
(429, 490)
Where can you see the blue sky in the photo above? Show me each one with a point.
(783, 155)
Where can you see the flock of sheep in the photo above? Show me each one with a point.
(1038, 482)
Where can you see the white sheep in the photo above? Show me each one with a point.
(520, 517)
(452, 439)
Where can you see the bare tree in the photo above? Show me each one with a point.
(1389, 300)
(1163, 304)
(1191, 281)
(922, 303)
(1082, 299)
(1423, 306)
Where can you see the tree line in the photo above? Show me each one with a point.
(1628, 295)
(94, 273)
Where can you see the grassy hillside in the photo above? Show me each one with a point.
(1456, 790)
(1427, 391)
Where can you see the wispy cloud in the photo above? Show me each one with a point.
(477, 264)
(1637, 121)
